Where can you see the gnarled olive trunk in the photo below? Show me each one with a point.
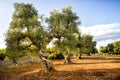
(67, 59)
(47, 65)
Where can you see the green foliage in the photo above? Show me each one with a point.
(54, 56)
(111, 48)
(63, 25)
(3, 50)
(2, 54)
(25, 32)
(86, 44)
(103, 49)
(116, 45)
(52, 50)
(94, 49)
(66, 45)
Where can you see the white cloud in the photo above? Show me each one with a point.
(103, 33)
(102, 29)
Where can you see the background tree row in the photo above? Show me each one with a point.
(111, 48)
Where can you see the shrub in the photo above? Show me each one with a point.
(2, 56)
(54, 56)
(59, 56)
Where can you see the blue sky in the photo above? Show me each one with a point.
(101, 18)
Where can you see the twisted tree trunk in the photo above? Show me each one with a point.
(67, 59)
(47, 65)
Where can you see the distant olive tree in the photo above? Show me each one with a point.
(103, 49)
(86, 45)
(111, 48)
(116, 45)
(87, 41)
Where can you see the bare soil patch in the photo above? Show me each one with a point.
(83, 69)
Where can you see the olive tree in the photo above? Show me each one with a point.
(85, 44)
(116, 45)
(25, 31)
(62, 25)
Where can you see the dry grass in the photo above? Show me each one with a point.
(84, 69)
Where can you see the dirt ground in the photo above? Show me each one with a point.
(81, 69)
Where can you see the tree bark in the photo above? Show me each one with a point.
(47, 65)
(67, 59)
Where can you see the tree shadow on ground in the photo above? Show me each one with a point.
(102, 57)
(99, 62)
(78, 74)
(97, 74)
(106, 74)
